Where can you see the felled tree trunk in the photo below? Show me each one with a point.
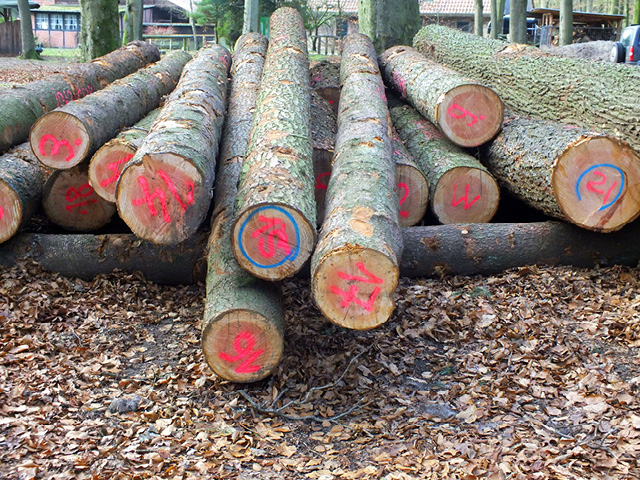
(591, 94)
(65, 137)
(570, 173)
(24, 104)
(354, 269)
(468, 113)
(164, 191)
(107, 163)
(242, 329)
(70, 202)
(21, 181)
(274, 232)
(461, 189)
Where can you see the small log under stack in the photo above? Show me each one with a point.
(274, 232)
(65, 137)
(71, 203)
(242, 329)
(324, 125)
(21, 181)
(583, 177)
(412, 186)
(468, 113)
(354, 269)
(165, 190)
(461, 189)
(107, 163)
(325, 80)
(22, 105)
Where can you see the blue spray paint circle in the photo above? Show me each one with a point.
(615, 167)
(294, 253)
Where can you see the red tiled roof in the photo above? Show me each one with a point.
(427, 7)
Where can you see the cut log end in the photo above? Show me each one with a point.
(354, 287)
(163, 199)
(71, 203)
(242, 346)
(59, 140)
(466, 195)
(413, 194)
(272, 241)
(106, 166)
(594, 182)
(10, 212)
(470, 115)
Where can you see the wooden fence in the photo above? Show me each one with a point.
(10, 38)
(180, 42)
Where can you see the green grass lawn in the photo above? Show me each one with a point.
(61, 54)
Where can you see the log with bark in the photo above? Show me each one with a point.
(468, 113)
(412, 185)
(584, 177)
(461, 189)
(242, 329)
(325, 80)
(590, 94)
(165, 190)
(68, 135)
(71, 203)
(274, 231)
(107, 163)
(22, 105)
(354, 269)
(21, 180)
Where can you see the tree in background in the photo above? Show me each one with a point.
(26, 31)
(251, 20)
(518, 21)
(389, 25)
(478, 22)
(133, 23)
(494, 19)
(636, 11)
(100, 29)
(566, 23)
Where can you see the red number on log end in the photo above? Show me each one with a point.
(319, 184)
(463, 113)
(405, 187)
(351, 296)
(57, 144)
(113, 166)
(158, 193)
(279, 232)
(74, 194)
(243, 345)
(465, 198)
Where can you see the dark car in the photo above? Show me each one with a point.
(628, 48)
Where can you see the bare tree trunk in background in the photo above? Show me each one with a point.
(590, 5)
(250, 16)
(566, 22)
(495, 29)
(389, 26)
(518, 21)
(636, 11)
(501, 4)
(100, 28)
(26, 31)
(477, 19)
(133, 25)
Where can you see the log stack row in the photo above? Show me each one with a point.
(351, 159)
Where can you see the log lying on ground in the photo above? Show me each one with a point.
(22, 105)
(242, 329)
(591, 94)
(461, 190)
(274, 231)
(65, 137)
(325, 80)
(107, 163)
(324, 125)
(412, 186)
(570, 173)
(164, 191)
(354, 269)
(468, 113)
(71, 203)
(21, 180)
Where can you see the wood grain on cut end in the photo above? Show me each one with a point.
(272, 241)
(59, 140)
(470, 115)
(71, 203)
(353, 287)
(466, 195)
(595, 183)
(162, 199)
(10, 212)
(413, 194)
(242, 346)
(106, 167)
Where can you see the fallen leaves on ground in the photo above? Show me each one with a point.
(533, 373)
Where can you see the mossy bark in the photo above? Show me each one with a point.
(590, 94)
(100, 28)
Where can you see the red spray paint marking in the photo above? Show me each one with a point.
(400, 83)
(113, 166)
(279, 232)
(590, 186)
(465, 198)
(351, 296)
(65, 96)
(463, 113)
(245, 353)
(319, 185)
(1, 213)
(57, 144)
(150, 197)
(403, 186)
(74, 194)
